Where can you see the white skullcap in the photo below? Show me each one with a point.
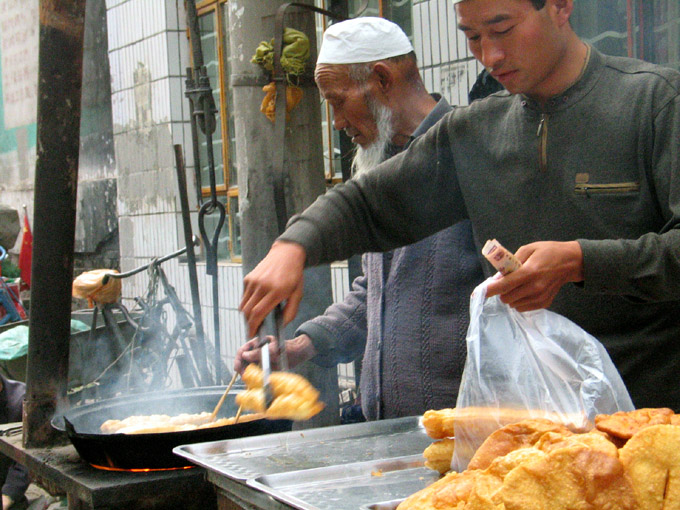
(365, 39)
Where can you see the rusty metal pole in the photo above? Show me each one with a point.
(60, 67)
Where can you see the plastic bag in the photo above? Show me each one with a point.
(534, 364)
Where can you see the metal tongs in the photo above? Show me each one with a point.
(264, 353)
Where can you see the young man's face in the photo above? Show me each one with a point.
(351, 112)
(519, 45)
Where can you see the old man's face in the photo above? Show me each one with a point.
(357, 112)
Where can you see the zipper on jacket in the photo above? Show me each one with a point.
(617, 187)
(542, 135)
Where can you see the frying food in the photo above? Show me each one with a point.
(294, 397)
(159, 423)
(538, 465)
(288, 406)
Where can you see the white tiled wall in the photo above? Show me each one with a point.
(152, 32)
(445, 61)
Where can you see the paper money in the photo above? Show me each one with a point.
(504, 261)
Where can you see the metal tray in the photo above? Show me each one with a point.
(348, 486)
(384, 505)
(253, 457)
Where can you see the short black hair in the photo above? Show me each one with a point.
(538, 4)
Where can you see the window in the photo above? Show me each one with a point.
(645, 29)
(213, 24)
(338, 148)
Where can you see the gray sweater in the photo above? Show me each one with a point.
(599, 164)
(408, 314)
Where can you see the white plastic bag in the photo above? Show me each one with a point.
(531, 364)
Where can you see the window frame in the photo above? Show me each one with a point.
(228, 189)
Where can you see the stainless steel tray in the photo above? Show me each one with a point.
(384, 505)
(348, 486)
(253, 457)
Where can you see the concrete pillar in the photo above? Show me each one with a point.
(250, 22)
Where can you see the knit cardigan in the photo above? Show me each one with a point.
(408, 313)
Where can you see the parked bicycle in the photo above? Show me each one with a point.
(151, 347)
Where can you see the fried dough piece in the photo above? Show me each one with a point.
(675, 419)
(625, 424)
(288, 406)
(473, 486)
(480, 489)
(501, 466)
(595, 440)
(438, 455)
(281, 382)
(575, 477)
(153, 421)
(422, 500)
(480, 422)
(294, 397)
(293, 407)
(438, 423)
(160, 423)
(651, 459)
(512, 437)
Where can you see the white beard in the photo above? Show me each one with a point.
(374, 154)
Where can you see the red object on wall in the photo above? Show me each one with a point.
(25, 254)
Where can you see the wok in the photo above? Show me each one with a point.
(153, 451)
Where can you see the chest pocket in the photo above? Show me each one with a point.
(582, 186)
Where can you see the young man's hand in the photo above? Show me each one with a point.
(277, 278)
(546, 267)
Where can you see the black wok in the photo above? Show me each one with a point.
(153, 451)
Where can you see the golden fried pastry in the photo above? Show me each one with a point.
(625, 424)
(438, 455)
(252, 400)
(472, 484)
(291, 407)
(595, 440)
(422, 500)
(294, 398)
(281, 382)
(651, 459)
(569, 478)
(480, 422)
(438, 423)
(511, 437)
(501, 466)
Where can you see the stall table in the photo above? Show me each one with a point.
(60, 470)
(367, 466)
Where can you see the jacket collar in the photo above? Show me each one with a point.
(588, 79)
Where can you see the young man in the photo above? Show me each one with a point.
(575, 169)
(409, 312)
